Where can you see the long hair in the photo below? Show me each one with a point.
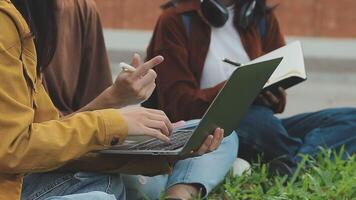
(41, 18)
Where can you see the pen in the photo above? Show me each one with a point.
(126, 67)
(232, 62)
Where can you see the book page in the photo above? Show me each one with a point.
(291, 65)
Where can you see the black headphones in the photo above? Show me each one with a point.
(217, 14)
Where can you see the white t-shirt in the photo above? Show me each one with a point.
(225, 43)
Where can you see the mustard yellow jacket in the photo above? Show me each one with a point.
(32, 136)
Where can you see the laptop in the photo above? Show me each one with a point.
(226, 111)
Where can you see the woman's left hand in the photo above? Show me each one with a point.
(211, 143)
(277, 102)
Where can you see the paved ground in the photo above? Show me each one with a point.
(331, 66)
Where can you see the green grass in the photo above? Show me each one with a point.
(323, 179)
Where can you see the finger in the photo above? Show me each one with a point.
(282, 94)
(205, 147)
(216, 139)
(157, 134)
(221, 138)
(150, 90)
(143, 69)
(155, 111)
(283, 101)
(136, 60)
(264, 101)
(161, 116)
(147, 79)
(282, 91)
(271, 98)
(159, 125)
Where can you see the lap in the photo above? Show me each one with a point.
(188, 171)
(85, 196)
(261, 132)
(42, 186)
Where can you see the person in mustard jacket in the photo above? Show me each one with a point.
(34, 137)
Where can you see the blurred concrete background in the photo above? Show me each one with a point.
(325, 28)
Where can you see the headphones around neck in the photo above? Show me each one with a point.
(217, 14)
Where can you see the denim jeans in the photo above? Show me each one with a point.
(262, 132)
(78, 186)
(57, 186)
(207, 171)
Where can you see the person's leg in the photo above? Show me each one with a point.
(260, 132)
(85, 196)
(204, 172)
(143, 187)
(45, 185)
(330, 128)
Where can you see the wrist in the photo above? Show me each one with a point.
(111, 98)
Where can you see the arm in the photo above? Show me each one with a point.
(179, 94)
(27, 146)
(138, 164)
(129, 88)
(274, 40)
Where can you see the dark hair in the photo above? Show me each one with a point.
(40, 16)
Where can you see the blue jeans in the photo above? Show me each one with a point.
(58, 186)
(207, 171)
(262, 132)
(78, 186)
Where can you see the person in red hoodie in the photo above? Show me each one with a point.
(195, 36)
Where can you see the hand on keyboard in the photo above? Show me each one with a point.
(149, 122)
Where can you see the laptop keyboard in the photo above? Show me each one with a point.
(178, 139)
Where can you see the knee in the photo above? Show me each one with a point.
(259, 120)
(142, 187)
(230, 145)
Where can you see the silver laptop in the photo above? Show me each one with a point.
(226, 111)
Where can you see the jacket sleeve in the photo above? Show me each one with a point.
(26, 146)
(178, 89)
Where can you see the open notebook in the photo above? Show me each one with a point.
(290, 72)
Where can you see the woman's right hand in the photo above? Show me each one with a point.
(148, 122)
